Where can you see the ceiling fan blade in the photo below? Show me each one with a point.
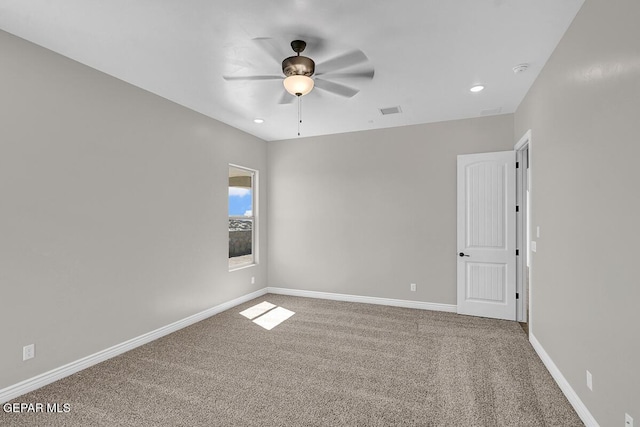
(368, 74)
(343, 61)
(245, 78)
(270, 46)
(336, 88)
(286, 98)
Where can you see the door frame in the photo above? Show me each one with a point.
(523, 182)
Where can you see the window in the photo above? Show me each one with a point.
(242, 217)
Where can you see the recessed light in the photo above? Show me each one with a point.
(477, 88)
(258, 121)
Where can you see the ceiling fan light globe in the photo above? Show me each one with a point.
(298, 85)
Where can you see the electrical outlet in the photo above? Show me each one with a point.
(533, 246)
(413, 287)
(589, 381)
(628, 421)
(253, 280)
(28, 352)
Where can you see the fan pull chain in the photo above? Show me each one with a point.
(299, 113)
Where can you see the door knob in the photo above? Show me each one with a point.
(463, 254)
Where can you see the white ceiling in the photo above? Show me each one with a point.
(426, 54)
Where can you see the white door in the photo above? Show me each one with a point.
(487, 235)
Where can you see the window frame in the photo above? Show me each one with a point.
(254, 217)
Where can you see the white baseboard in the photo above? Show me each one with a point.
(451, 308)
(564, 385)
(41, 380)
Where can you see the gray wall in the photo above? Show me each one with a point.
(113, 206)
(368, 213)
(583, 111)
(114, 223)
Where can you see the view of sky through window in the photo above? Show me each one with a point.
(239, 201)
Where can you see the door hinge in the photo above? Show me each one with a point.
(517, 165)
(517, 252)
(517, 208)
(517, 295)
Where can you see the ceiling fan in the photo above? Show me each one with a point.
(297, 71)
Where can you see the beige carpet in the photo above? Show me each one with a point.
(331, 364)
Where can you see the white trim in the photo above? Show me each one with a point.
(255, 188)
(41, 380)
(450, 308)
(526, 138)
(564, 385)
(525, 300)
(243, 266)
(521, 231)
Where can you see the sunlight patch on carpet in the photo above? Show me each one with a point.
(273, 318)
(257, 310)
(265, 315)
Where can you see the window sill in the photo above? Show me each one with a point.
(242, 267)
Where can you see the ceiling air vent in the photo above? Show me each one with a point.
(390, 110)
(491, 112)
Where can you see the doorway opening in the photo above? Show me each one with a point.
(523, 227)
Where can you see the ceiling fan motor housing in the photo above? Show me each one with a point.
(298, 66)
